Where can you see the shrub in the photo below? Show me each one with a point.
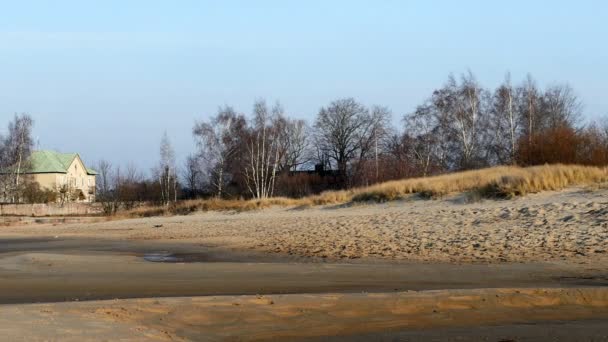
(33, 193)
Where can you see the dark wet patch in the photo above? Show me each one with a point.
(25, 240)
(159, 251)
(585, 280)
(160, 257)
(177, 257)
(575, 330)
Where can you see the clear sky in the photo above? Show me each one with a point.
(107, 78)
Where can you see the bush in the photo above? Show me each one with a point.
(33, 193)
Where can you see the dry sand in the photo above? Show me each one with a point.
(552, 240)
(570, 225)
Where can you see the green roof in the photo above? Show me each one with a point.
(52, 162)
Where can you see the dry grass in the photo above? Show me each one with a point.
(496, 182)
(190, 206)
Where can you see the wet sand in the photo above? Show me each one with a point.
(472, 315)
(581, 330)
(53, 270)
(252, 296)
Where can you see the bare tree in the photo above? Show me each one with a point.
(103, 181)
(560, 106)
(530, 107)
(217, 145)
(504, 123)
(5, 175)
(340, 131)
(106, 193)
(127, 186)
(166, 172)
(192, 175)
(15, 152)
(376, 136)
(462, 109)
(294, 143)
(469, 118)
(423, 132)
(263, 150)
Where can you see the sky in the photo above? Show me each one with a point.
(107, 78)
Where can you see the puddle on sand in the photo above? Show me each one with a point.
(160, 257)
(175, 257)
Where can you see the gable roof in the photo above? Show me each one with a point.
(47, 161)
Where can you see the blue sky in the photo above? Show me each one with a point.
(107, 78)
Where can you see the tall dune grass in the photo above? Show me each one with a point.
(495, 182)
(501, 181)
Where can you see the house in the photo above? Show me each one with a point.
(64, 173)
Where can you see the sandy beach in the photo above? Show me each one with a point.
(413, 270)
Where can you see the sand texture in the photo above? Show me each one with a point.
(569, 225)
(289, 317)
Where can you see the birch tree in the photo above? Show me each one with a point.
(462, 109)
(218, 142)
(529, 109)
(505, 121)
(263, 150)
(17, 148)
(469, 119)
(375, 136)
(167, 175)
(423, 132)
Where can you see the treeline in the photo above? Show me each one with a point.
(460, 126)
(464, 126)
